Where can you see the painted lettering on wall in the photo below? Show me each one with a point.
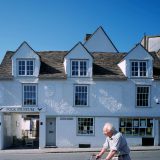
(22, 109)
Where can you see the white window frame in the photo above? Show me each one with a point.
(149, 96)
(83, 85)
(139, 71)
(83, 133)
(79, 67)
(36, 96)
(25, 65)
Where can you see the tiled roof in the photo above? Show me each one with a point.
(104, 66)
(6, 66)
(52, 64)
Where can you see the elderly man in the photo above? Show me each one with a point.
(117, 143)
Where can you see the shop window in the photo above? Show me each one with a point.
(85, 126)
(136, 126)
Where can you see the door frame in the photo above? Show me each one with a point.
(54, 119)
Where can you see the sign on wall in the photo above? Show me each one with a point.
(22, 109)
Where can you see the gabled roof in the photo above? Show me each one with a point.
(79, 43)
(101, 28)
(104, 66)
(52, 67)
(138, 44)
(24, 43)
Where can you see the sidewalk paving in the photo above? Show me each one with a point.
(72, 150)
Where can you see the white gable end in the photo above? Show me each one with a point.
(139, 53)
(100, 42)
(79, 52)
(25, 52)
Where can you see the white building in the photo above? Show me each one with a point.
(151, 43)
(63, 98)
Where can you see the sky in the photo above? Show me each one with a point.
(51, 25)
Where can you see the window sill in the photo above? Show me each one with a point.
(80, 106)
(86, 135)
(143, 107)
(140, 77)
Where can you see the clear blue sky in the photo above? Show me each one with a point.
(60, 24)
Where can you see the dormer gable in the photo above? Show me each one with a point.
(138, 63)
(78, 59)
(25, 61)
(100, 42)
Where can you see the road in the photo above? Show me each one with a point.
(135, 155)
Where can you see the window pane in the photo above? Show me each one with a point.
(143, 96)
(81, 95)
(83, 68)
(29, 95)
(85, 126)
(139, 68)
(30, 67)
(134, 66)
(21, 67)
(79, 67)
(143, 68)
(74, 68)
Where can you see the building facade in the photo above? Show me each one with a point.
(63, 98)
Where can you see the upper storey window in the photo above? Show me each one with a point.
(25, 67)
(79, 68)
(139, 68)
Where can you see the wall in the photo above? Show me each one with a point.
(67, 132)
(111, 98)
(153, 44)
(106, 99)
(8, 136)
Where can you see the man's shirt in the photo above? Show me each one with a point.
(118, 143)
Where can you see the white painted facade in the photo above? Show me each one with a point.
(108, 100)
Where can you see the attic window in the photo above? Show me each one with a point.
(25, 67)
(139, 68)
(79, 68)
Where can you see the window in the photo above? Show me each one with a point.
(25, 67)
(81, 95)
(29, 95)
(79, 68)
(139, 68)
(136, 126)
(85, 126)
(143, 96)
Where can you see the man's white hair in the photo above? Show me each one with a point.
(109, 126)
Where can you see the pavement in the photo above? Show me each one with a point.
(72, 150)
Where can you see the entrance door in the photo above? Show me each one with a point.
(51, 132)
